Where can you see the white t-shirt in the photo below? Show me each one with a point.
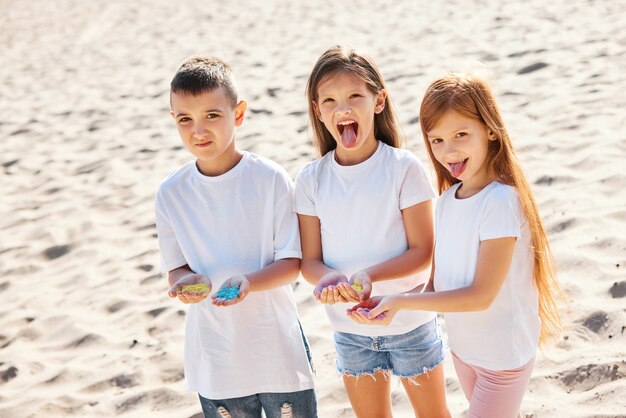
(506, 335)
(235, 223)
(359, 208)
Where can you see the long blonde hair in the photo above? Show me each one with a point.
(471, 96)
(341, 59)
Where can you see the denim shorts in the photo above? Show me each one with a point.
(301, 404)
(405, 355)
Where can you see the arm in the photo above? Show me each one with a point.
(279, 273)
(313, 268)
(174, 275)
(492, 267)
(494, 261)
(418, 223)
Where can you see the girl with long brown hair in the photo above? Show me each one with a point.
(366, 229)
(493, 274)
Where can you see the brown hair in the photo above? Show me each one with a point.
(342, 59)
(472, 97)
(199, 74)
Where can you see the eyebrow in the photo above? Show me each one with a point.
(452, 131)
(206, 111)
(352, 91)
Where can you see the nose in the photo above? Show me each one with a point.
(199, 131)
(342, 109)
(449, 149)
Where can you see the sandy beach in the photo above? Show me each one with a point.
(86, 326)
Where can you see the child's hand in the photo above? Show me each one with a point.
(326, 290)
(378, 310)
(358, 288)
(232, 291)
(191, 288)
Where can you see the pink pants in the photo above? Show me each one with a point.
(493, 393)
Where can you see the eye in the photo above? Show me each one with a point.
(212, 116)
(327, 100)
(436, 141)
(184, 119)
(461, 134)
(355, 95)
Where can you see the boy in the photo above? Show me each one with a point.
(225, 220)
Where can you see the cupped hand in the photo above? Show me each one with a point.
(185, 290)
(326, 290)
(224, 296)
(379, 310)
(358, 289)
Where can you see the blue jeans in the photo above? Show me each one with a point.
(405, 355)
(300, 404)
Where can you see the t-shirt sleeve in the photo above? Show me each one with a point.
(416, 187)
(502, 216)
(171, 254)
(303, 197)
(286, 231)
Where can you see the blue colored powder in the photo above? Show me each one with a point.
(228, 293)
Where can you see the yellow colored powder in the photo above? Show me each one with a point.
(357, 287)
(200, 288)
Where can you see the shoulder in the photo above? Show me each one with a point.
(502, 193)
(312, 168)
(399, 154)
(502, 199)
(177, 177)
(401, 158)
(264, 166)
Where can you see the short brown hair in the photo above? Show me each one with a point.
(199, 74)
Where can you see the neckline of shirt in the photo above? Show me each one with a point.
(227, 175)
(360, 166)
(484, 190)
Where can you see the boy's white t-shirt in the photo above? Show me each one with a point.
(359, 208)
(505, 336)
(235, 223)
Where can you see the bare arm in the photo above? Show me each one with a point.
(174, 275)
(279, 273)
(325, 279)
(492, 267)
(494, 261)
(313, 267)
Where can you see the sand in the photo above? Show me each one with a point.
(86, 326)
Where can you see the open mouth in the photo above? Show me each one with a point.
(348, 130)
(458, 167)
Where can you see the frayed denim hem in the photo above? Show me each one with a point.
(349, 373)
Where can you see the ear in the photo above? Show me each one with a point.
(240, 111)
(172, 114)
(381, 98)
(316, 110)
(491, 135)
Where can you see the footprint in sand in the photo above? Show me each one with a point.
(596, 321)
(618, 290)
(587, 377)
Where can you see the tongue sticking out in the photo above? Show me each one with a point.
(457, 168)
(348, 135)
